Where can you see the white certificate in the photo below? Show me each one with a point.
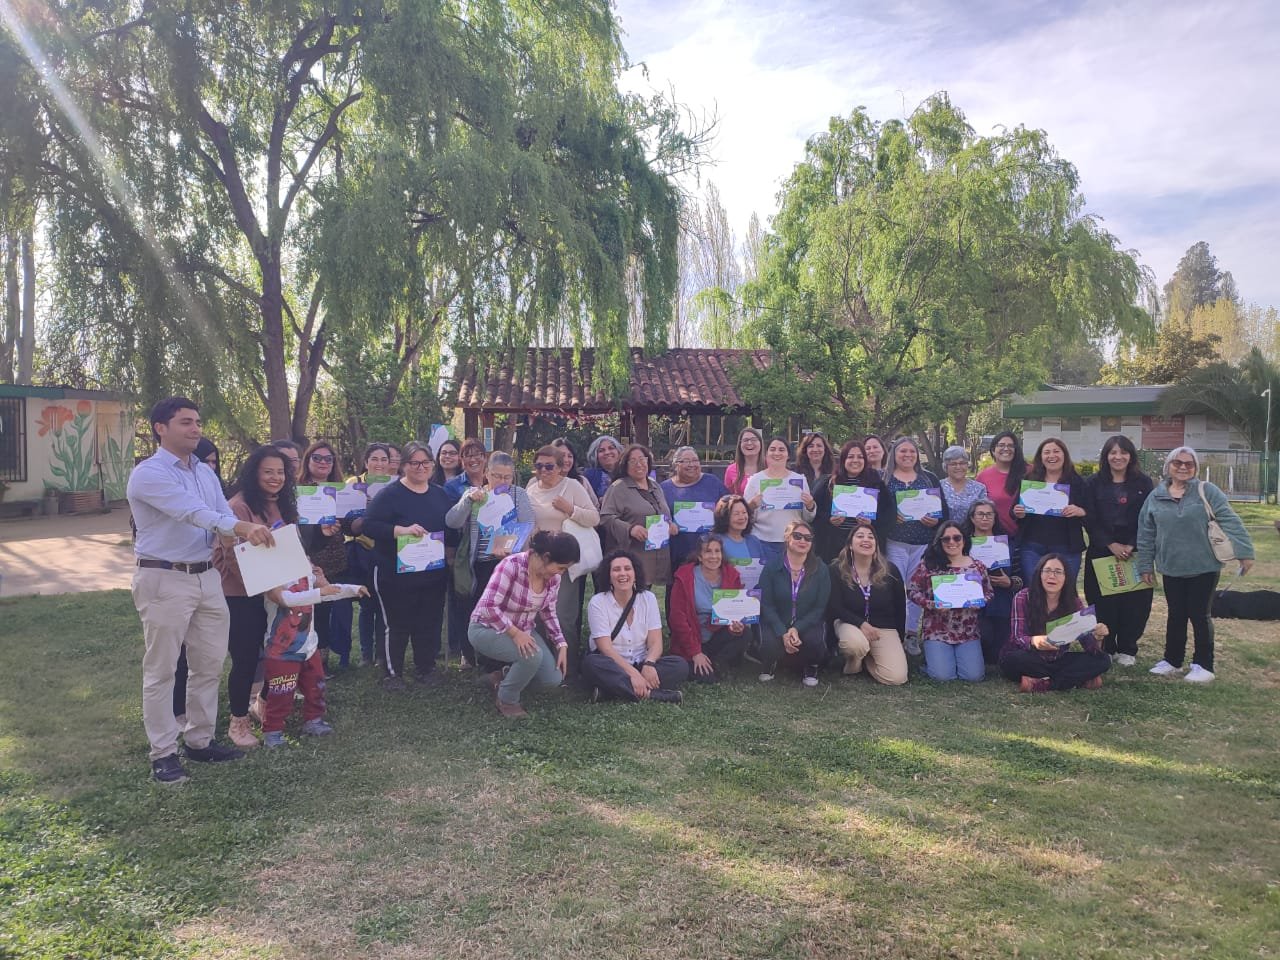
(852, 501)
(659, 533)
(748, 571)
(316, 505)
(953, 591)
(499, 507)
(351, 500)
(374, 485)
(265, 568)
(415, 554)
(693, 517)
(1064, 632)
(734, 606)
(1045, 499)
(439, 434)
(918, 504)
(991, 552)
(781, 494)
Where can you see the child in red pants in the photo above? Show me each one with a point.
(292, 659)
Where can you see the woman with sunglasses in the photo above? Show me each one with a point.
(413, 599)
(952, 640)
(868, 609)
(326, 548)
(1173, 537)
(1029, 659)
(794, 590)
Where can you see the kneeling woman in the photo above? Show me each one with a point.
(868, 609)
(794, 590)
(523, 587)
(708, 648)
(1029, 658)
(625, 661)
(952, 640)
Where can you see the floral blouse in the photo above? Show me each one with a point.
(946, 625)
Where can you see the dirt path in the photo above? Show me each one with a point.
(66, 554)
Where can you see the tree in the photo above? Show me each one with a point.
(1173, 355)
(1232, 393)
(709, 275)
(917, 270)
(280, 190)
(1196, 281)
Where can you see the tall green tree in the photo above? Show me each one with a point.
(1174, 354)
(1232, 393)
(287, 190)
(917, 270)
(1196, 282)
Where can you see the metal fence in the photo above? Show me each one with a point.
(1238, 473)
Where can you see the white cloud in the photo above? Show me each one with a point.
(1165, 108)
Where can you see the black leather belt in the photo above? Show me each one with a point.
(180, 567)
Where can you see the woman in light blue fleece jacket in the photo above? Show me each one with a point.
(1173, 537)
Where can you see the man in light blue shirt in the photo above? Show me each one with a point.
(178, 508)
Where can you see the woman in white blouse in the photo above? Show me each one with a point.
(768, 504)
(626, 661)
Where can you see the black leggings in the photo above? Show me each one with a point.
(1189, 600)
(415, 617)
(1125, 614)
(244, 643)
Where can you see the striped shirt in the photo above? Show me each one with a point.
(508, 601)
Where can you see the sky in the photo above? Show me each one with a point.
(1167, 109)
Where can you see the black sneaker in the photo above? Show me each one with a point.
(213, 753)
(666, 696)
(169, 770)
(429, 679)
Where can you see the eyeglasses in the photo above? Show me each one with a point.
(322, 458)
(952, 538)
(686, 462)
(473, 455)
(802, 537)
(420, 464)
(1053, 572)
(1005, 446)
(1183, 464)
(544, 467)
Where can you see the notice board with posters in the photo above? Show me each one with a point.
(1163, 433)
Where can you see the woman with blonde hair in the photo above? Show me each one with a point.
(868, 609)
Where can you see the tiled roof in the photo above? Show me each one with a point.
(679, 379)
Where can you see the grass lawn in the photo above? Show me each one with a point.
(1141, 820)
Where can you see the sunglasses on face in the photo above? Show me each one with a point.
(1183, 464)
(802, 537)
(322, 458)
(544, 467)
(952, 538)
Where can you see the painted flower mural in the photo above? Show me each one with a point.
(71, 455)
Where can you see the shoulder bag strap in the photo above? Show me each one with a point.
(622, 620)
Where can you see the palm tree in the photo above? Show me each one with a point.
(1232, 394)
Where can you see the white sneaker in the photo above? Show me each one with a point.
(810, 681)
(1124, 660)
(911, 646)
(1163, 669)
(766, 677)
(1198, 674)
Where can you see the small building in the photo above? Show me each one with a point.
(546, 381)
(76, 443)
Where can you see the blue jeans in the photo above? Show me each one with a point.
(906, 557)
(952, 661)
(539, 666)
(1032, 552)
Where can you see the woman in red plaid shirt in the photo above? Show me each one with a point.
(524, 587)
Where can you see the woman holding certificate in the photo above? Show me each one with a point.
(710, 641)
(868, 609)
(777, 496)
(1051, 509)
(1047, 619)
(626, 660)
(919, 506)
(999, 553)
(266, 496)
(794, 590)
(1116, 495)
(557, 497)
(692, 496)
(326, 547)
(748, 458)
(855, 491)
(1173, 537)
(635, 516)
(407, 523)
(951, 587)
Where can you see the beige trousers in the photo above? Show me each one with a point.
(178, 608)
(882, 658)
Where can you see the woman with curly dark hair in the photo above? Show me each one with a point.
(266, 494)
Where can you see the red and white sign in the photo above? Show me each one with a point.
(1163, 433)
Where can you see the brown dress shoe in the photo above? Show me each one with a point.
(512, 711)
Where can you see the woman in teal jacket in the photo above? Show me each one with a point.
(1173, 537)
(794, 589)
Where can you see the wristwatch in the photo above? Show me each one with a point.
(649, 663)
